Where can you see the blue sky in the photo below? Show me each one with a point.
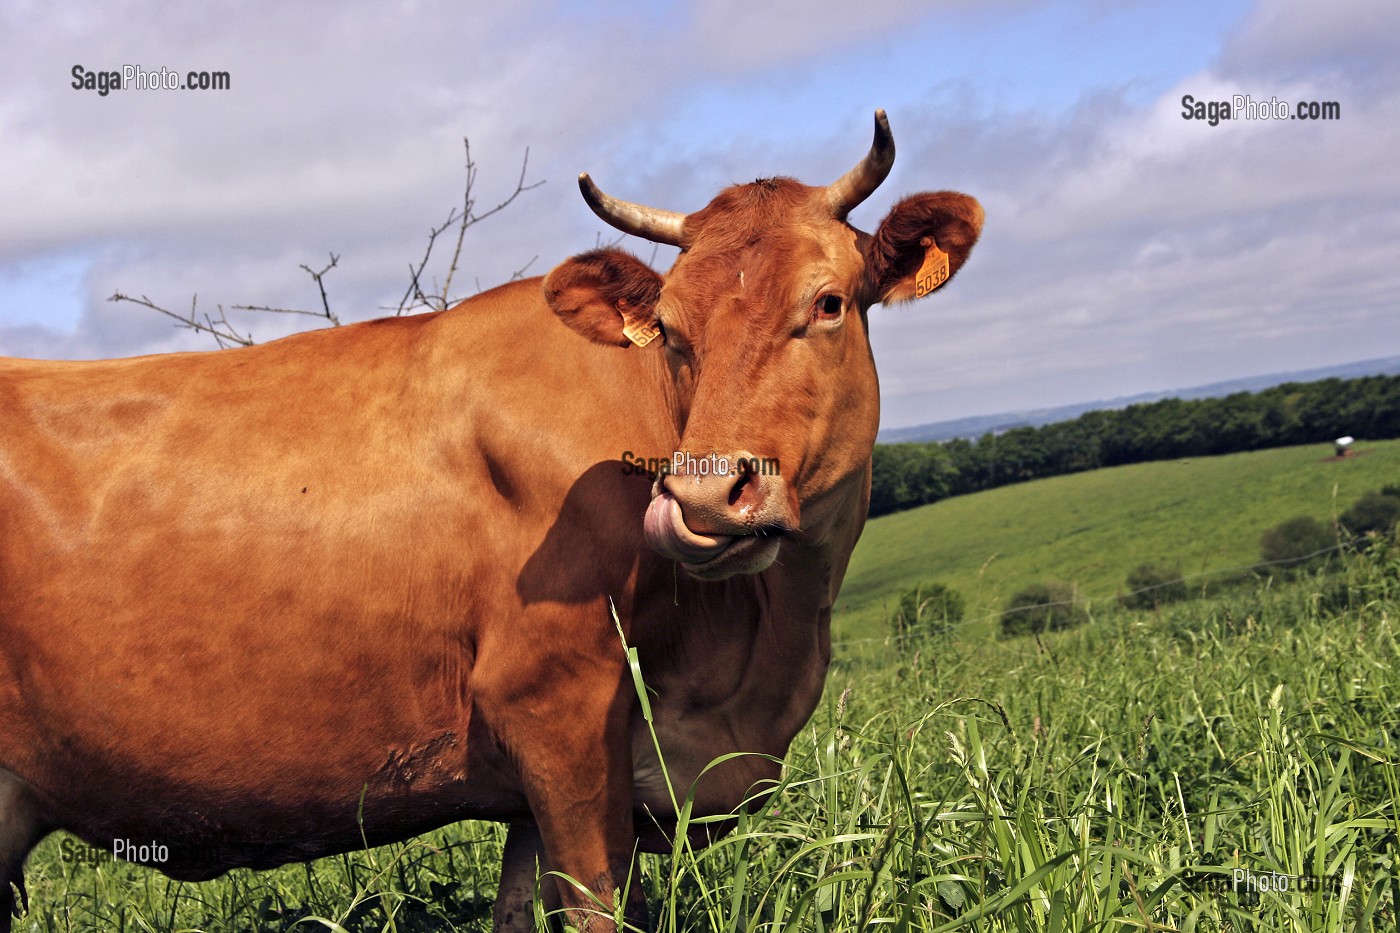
(1126, 250)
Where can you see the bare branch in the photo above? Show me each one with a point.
(321, 284)
(520, 188)
(463, 218)
(468, 202)
(319, 279)
(519, 274)
(417, 295)
(413, 297)
(221, 330)
(268, 309)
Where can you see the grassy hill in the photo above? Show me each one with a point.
(1204, 514)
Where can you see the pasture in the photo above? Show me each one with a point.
(1205, 514)
(1115, 776)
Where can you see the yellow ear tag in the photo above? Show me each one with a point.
(934, 271)
(641, 331)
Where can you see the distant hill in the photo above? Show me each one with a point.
(978, 425)
(1203, 514)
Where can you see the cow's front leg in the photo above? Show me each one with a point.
(594, 862)
(522, 866)
(569, 737)
(20, 830)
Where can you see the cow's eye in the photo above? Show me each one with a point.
(828, 307)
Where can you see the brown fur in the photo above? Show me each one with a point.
(587, 291)
(264, 604)
(742, 213)
(953, 220)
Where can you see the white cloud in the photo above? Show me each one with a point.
(1299, 38)
(1153, 247)
(741, 33)
(1126, 248)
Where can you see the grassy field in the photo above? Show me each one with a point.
(1093, 528)
(1111, 777)
(1142, 772)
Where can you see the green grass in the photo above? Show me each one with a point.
(1106, 778)
(1093, 528)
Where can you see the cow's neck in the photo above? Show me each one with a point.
(751, 651)
(736, 665)
(743, 660)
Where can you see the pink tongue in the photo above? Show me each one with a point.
(667, 533)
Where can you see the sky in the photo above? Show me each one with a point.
(1126, 249)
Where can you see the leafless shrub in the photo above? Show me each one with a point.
(417, 296)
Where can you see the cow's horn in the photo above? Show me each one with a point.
(860, 182)
(637, 219)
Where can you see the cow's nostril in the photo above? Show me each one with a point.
(736, 492)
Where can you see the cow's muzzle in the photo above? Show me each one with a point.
(720, 524)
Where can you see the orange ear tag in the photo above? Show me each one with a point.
(641, 331)
(934, 271)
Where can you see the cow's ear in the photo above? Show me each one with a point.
(608, 296)
(921, 244)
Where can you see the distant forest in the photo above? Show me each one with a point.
(907, 475)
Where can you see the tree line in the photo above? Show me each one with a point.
(908, 475)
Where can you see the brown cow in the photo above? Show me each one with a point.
(255, 602)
